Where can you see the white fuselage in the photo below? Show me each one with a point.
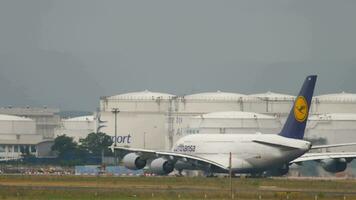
(250, 153)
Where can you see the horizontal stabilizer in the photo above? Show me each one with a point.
(276, 144)
(323, 156)
(332, 145)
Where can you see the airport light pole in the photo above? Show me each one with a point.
(230, 173)
(144, 140)
(115, 111)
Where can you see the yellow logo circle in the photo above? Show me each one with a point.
(300, 109)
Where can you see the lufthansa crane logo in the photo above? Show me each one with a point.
(300, 109)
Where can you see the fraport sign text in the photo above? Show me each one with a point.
(122, 139)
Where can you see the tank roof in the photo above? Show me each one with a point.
(218, 95)
(272, 95)
(13, 118)
(334, 117)
(234, 115)
(343, 96)
(143, 95)
(81, 118)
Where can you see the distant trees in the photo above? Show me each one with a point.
(64, 146)
(97, 144)
(90, 148)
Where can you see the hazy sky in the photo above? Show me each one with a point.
(67, 54)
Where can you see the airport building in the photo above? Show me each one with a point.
(27, 131)
(18, 137)
(156, 120)
(46, 119)
(33, 130)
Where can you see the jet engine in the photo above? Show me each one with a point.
(133, 161)
(161, 166)
(334, 165)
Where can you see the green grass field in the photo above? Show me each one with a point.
(76, 187)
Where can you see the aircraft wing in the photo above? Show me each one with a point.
(144, 153)
(175, 156)
(322, 156)
(333, 145)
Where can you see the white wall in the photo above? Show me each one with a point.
(17, 127)
(137, 129)
(76, 129)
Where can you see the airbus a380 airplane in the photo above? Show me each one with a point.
(250, 153)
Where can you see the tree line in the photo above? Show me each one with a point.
(89, 150)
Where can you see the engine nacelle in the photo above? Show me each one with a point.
(133, 161)
(278, 171)
(161, 166)
(334, 165)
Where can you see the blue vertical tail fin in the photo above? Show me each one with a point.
(298, 116)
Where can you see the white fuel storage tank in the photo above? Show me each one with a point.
(141, 119)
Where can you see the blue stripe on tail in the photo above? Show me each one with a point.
(298, 116)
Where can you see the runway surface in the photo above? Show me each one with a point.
(79, 187)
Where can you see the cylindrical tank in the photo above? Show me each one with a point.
(211, 102)
(13, 125)
(233, 122)
(141, 119)
(333, 128)
(77, 127)
(335, 103)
